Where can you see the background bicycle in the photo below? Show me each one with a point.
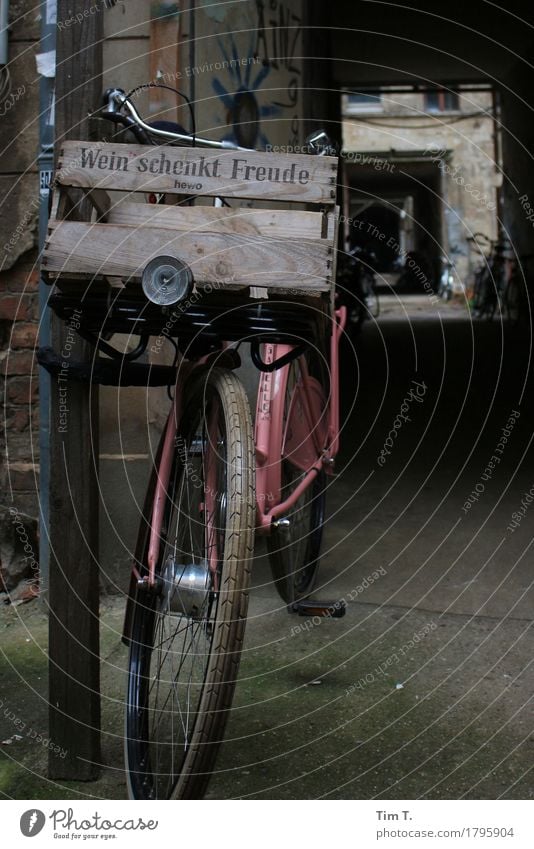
(518, 295)
(356, 286)
(491, 277)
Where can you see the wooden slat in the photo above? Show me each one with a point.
(179, 170)
(228, 259)
(333, 225)
(278, 224)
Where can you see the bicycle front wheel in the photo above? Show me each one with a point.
(294, 543)
(187, 635)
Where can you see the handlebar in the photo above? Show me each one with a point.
(119, 109)
(117, 101)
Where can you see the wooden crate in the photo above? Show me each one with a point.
(274, 249)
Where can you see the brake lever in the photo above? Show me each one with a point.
(321, 144)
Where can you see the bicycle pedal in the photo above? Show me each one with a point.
(330, 609)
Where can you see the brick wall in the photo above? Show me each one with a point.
(19, 202)
(19, 310)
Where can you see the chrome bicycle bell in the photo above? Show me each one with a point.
(167, 280)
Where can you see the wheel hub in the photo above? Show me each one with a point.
(186, 587)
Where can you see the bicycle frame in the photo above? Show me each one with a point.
(314, 444)
(314, 441)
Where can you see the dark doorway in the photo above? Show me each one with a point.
(397, 210)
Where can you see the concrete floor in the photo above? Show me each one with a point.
(424, 688)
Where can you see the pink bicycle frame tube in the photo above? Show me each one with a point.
(269, 438)
(164, 472)
(269, 426)
(340, 319)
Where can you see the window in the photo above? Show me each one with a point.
(363, 102)
(442, 101)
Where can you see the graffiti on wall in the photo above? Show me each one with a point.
(278, 45)
(251, 87)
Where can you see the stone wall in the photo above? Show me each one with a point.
(19, 310)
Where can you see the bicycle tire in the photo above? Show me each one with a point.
(373, 302)
(445, 291)
(513, 301)
(371, 305)
(174, 727)
(294, 543)
(479, 290)
(483, 301)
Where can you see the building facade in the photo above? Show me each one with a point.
(421, 168)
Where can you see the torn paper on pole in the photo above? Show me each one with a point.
(46, 63)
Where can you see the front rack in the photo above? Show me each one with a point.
(206, 323)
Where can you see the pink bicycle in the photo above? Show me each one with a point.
(217, 479)
(189, 593)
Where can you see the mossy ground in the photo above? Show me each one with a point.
(300, 727)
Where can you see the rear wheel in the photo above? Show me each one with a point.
(371, 297)
(445, 287)
(513, 299)
(186, 636)
(484, 295)
(294, 543)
